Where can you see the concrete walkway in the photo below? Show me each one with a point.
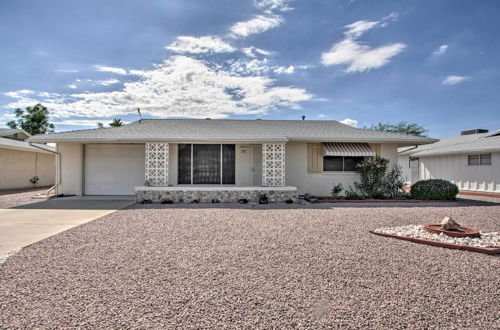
(24, 225)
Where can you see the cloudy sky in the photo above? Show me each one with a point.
(357, 61)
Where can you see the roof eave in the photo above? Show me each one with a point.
(174, 140)
(468, 151)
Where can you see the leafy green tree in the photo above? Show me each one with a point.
(402, 127)
(100, 125)
(34, 120)
(116, 123)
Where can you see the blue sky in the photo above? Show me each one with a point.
(360, 62)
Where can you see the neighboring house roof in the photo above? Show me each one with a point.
(197, 130)
(473, 143)
(22, 145)
(11, 132)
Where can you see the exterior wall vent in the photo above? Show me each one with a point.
(474, 131)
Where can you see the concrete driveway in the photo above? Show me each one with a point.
(24, 225)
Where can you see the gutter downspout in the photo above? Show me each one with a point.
(415, 147)
(58, 166)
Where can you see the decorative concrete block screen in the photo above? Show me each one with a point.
(157, 164)
(273, 164)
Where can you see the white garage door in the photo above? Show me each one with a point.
(113, 169)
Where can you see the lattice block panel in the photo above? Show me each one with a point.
(273, 164)
(157, 164)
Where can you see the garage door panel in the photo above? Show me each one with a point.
(113, 169)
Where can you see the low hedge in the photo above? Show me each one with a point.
(434, 189)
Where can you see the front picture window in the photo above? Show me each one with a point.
(340, 163)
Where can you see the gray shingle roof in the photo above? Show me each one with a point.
(196, 130)
(21, 145)
(10, 131)
(484, 142)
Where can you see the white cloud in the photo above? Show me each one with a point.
(19, 94)
(453, 80)
(108, 82)
(67, 70)
(350, 122)
(80, 122)
(357, 56)
(72, 86)
(268, 6)
(357, 29)
(200, 45)
(441, 50)
(284, 69)
(253, 51)
(110, 69)
(180, 87)
(259, 67)
(257, 24)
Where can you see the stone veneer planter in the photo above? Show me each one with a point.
(223, 194)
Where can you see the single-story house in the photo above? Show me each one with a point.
(471, 161)
(217, 159)
(22, 165)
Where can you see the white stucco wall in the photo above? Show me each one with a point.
(321, 183)
(455, 168)
(173, 165)
(389, 151)
(17, 167)
(71, 168)
(312, 183)
(404, 162)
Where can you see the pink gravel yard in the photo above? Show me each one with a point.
(238, 266)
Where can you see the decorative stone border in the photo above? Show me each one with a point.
(314, 200)
(209, 194)
(491, 251)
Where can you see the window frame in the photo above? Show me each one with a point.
(479, 159)
(343, 164)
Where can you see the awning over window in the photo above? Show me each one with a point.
(347, 149)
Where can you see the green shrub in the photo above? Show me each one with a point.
(377, 179)
(434, 189)
(336, 190)
(372, 172)
(352, 194)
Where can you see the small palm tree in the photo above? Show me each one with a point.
(117, 122)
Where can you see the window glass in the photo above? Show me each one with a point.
(473, 159)
(228, 164)
(206, 163)
(331, 163)
(184, 164)
(350, 163)
(485, 159)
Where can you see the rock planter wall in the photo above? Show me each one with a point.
(208, 194)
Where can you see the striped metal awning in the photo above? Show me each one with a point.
(347, 149)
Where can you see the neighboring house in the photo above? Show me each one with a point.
(282, 156)
(24, 166)
(471, 161)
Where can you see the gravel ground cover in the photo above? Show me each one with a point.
(17, 197)
(487, 240)
(238, 266)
